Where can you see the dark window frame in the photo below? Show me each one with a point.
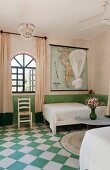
(23, 68)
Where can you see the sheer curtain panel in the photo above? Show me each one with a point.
(6, 104)
(40, 73)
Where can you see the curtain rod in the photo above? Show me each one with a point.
(19, 34)
(83, 48)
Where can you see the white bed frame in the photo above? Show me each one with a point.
(58, 114)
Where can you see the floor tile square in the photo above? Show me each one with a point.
(53, 166)
(43, 147)
(36, 152)
(26, 149)
(6, 162)
(16, 140)
(10, 134)
(1, 157)
(9, 129)
(27, 158)
(60, 159)
(7, 152)
(45, 137)
(16, 130)
(38, 135)
(36, 131)
(30, 133)
(53, 138)
(16, 147)
(9, 138)
(64, 153)
(72, 162)
(68, 168)
(22, 132)
(49, 142)
(54, 149)
(17, 166)
(50, 133)
(41, 128)
(24, 142)
(17, 155)
(59, 135)
(33, 144)
(23, 137)
(2, 136)
(2, 148)
(47, 155)
(30, 167)
(31, 138)
(16, 135)
(42, 132)
(39, 162)
(39, 140)
(2, 141)
(8, 144)
(57, 144)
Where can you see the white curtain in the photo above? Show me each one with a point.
(108, 104)
(40, 73)
(6, 102)
(77, 59)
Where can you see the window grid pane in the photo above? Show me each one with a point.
(19, 58)
(20, 70)
(14, 70)
(14, 89)
(20, 76)
(23, 79)
(13, 82)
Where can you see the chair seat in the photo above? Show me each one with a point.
(25, 113)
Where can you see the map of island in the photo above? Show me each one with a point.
(62, 74)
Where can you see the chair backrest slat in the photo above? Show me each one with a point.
(22, 99)
(24, 104)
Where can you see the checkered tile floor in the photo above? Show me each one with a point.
(34, 149)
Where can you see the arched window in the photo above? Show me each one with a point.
(23, 73)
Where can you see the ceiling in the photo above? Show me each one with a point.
(53, 17)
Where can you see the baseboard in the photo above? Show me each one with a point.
(6, 119)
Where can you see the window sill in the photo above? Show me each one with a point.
(23, 94)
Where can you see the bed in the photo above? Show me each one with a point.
(58, 114)
(95, 150)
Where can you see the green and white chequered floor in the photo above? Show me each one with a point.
(34, 149)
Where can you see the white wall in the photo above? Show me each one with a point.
(99, 63)
(18, 44)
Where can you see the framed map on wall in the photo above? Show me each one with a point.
(68, 68)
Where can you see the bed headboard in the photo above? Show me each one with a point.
(66, 98)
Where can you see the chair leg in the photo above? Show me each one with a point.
(30, 120)
(18, 125)
(31, 124)
(18, 121)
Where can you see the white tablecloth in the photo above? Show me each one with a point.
(95, 150)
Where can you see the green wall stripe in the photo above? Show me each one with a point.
(12, 118)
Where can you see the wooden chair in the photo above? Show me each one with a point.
(24, 111)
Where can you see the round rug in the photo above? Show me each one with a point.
(72, 141)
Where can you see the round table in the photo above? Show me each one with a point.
(100, 121)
